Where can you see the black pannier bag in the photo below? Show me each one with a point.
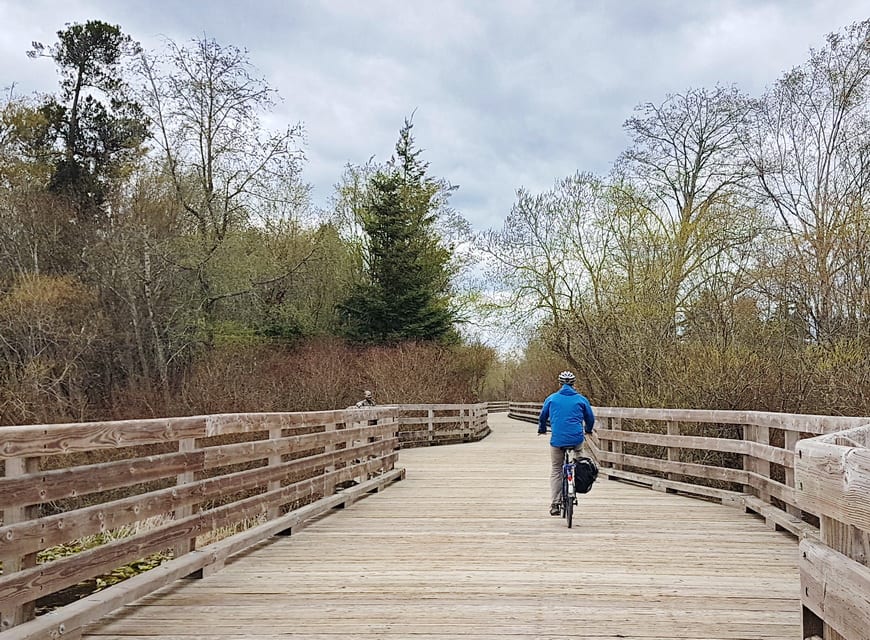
(585, 473)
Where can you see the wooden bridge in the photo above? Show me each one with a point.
(462, 546)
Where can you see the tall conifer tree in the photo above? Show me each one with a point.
(406, 291)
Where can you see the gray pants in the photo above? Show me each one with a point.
(556, 458)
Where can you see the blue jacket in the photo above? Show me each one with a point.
(570, 415)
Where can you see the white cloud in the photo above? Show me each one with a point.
(508, 93)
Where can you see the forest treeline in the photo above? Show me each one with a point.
(723, 263)
(160, 253)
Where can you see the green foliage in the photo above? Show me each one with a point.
(406, 291)
(129, 570)
(97, 136)
(50, 338)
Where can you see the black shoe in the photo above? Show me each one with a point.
(555, 509)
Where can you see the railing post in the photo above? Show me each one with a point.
(762, 467)
(673, 452)
(844, 538)
(431, 434)
(616, 445)
(791, 440)
(185, 445)
(750, 435)
(329, 487)
(16, 615)
(274, 461)
(759, 467)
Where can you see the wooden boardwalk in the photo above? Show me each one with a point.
(464, 548)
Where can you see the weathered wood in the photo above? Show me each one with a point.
(15, 560)
(44, 440)
(185, 510)
(458, 420)
(683, 468)
(48, 486)
(674, 449)
(791, 440)
(444, 554)
(727, 497)
(21, 587)
(62, 622)
(771, 488)
(224, 455)
(778, 519)
(832, 474)
(274, 461)
(27, 585)
(704, 443)
(834, 480)
(78, 481)
(802, 423)
(836, 588)
(616, 441)
(37, 534)
(403, 408)
(760, 466)
(223, 424)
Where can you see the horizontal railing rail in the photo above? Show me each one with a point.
(807, 474)
(180, 495)
(82, 500)
(494, 406)
(832, 475)
(423, 425)
(743, 458)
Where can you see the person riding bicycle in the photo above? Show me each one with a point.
(367, 401)
(571, 417)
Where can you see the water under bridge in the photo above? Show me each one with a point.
(716, 525)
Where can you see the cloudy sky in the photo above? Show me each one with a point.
(507, 93)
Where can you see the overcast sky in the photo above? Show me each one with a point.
(507, 93)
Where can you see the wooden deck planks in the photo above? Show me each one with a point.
(464, 548)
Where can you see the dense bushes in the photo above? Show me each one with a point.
(310, 375)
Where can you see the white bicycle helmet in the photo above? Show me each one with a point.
(566, 377)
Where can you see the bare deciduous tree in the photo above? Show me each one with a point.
(226, 170)
(810, 148)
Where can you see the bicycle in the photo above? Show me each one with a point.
(569, 496)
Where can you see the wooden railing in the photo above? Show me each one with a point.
(435, 424)
(833, 480)
(776, 465)
(80, 501)
(495, 406)
(189, 479)
(744, 458)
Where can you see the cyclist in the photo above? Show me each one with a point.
(571, 417)
(367, 401)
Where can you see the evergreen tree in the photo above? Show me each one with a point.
(95, 129)
(406, 290)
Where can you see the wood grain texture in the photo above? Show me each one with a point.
(67, 622)
(836, 589)
(834, 480)
(464, 548)
(798, 422)
(36, 534)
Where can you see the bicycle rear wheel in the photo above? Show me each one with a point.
(569, 509)
(567, 502)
